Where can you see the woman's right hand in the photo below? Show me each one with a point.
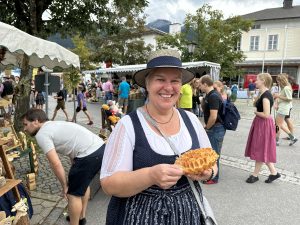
(165, 175)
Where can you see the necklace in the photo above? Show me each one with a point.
(158, 121)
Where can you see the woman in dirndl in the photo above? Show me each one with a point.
(138, 168)
(261, 144)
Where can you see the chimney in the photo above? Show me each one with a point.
(287, 4)
(174, 28)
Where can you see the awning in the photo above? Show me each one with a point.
(214, 68)
(291, 62)
(40, 51)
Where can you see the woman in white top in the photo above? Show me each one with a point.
(138, 167)
(283, 105)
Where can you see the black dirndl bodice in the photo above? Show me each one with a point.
(154, 205)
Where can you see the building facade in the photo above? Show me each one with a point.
(272, 45)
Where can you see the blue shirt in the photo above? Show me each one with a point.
(251, 87)
(124, 89)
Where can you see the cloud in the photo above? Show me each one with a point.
(175, 10)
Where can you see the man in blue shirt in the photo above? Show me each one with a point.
(251, 91)
(124, 90)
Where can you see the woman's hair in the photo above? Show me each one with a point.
(267, 79)
(220, 85)
(282, 80)
(35, 114)
(194, 85)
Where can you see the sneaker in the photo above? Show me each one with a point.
(293, 141)
(90, 123)
(277, 143)
(271, 178)
(210, 182)
(286, 138)
(252, 179)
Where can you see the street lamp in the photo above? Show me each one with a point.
(191, 49)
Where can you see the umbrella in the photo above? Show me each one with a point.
(40, 51)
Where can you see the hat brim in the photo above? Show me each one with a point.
(140, 76)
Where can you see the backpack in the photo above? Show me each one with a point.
(230, 115)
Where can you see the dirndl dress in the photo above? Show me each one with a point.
(155, 206)
(261, 144)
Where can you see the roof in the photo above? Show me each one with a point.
(133, 68)
(151, 30)
(274, 14)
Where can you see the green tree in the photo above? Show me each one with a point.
(83, 52)
(216, 39)
(125, 48)
(71, 79)
(67, 18)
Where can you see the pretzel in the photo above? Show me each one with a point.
(196, 161)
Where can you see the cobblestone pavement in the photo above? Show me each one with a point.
(49, 206)
(286, 176)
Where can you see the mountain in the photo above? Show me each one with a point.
(160, 24)
(65, 42)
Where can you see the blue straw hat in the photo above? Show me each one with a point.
(165, 58)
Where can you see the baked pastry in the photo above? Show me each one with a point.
(196, 161)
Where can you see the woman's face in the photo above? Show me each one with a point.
(259, 83)
(163, 86)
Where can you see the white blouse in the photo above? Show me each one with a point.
(118, 155)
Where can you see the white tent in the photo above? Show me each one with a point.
(40, 51)
(197, 67)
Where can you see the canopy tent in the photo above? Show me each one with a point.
(200, 67)
(40, 51)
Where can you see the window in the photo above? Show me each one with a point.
(256, 26)
(273, 42)
(238, 46)
(254, 43)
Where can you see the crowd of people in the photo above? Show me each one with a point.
(137, 164)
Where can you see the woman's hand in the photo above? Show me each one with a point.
(205, 175)
(165, 175)
(275, 95)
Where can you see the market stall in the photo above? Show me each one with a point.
(19, 48)
(198, 68)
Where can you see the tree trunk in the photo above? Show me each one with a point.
(23, 94)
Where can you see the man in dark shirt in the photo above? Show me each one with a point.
(212, 106)
(60, 104)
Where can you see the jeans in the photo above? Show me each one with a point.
(216, 136)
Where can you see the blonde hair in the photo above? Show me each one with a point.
(282, 80)
(220, 85)
(266, 78)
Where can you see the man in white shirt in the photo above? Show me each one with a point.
(84, 148)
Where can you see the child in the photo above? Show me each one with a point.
(82, 105)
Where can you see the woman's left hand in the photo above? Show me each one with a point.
(203, 176)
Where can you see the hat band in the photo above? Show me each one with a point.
(164, 61)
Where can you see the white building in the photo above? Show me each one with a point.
(273, 43)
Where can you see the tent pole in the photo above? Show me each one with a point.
(46, 90)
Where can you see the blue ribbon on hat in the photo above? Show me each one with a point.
(164, 61)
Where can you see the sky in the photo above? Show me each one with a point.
(175, 10)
